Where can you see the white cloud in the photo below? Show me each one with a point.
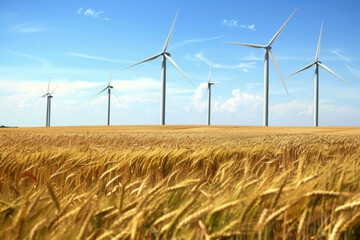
(81, 55)
(342, 57)
(300, 113)
(293, 108)
(308, 112)
(198, 99)
(79, 11)
(353, 71)
(138, 84)
(190, 41)
(239, 100)
(250, 86)
(43, 61)
(21, 100)
(200, 57)
(251, 27)
(252, 57)
(28, 28)
(98, 13)
(92, 13)
(230, 23)
(89, 12)
(33, 87)
(123, 102)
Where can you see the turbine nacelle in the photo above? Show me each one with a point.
(166, 53)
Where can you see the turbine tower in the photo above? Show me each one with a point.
(49, 96)
(317, 63)
(165, 56)
(209, 95)
(266, 68)
(108, 87)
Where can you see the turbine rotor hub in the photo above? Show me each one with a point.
(166, 53)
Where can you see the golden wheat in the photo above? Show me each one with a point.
(177, 182)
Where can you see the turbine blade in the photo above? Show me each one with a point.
(247, 45)
(48, 90)
(278, 32)
(54, 89)
(146, 60)
(116, 96)
(111, 74)
(330, 71)
(100, 92)
(278, 70)
(217, 83)
(318, 46)
(210, 71)
(304, 68)
(42, 91)
(176, 66)
(172, 27)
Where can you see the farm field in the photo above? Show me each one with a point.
(180, 182)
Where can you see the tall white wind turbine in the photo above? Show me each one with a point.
(49, 96)
(317, 63)
(266, 68)
(165, 56)
(209, 95)
(109, 87)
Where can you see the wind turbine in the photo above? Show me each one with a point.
(317, 63)
(48, 96)
(209, 95)
(266, 68)
(108, 87)
(165, 56)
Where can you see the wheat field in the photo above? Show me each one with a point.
(180, 182)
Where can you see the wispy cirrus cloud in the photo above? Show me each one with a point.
(199, 57)
(91, 13)
(232, 23)
(191, 41)
(353, 71)
(337, 52)
(43, 61)
(28, 28)
(81, 55)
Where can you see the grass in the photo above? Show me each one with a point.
(179, 182)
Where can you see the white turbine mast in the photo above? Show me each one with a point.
(109, 88)
(266, 68)
(49, 96)
(165, 56)
(209, 84)
(317, 63)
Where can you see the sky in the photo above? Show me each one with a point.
(75, 44)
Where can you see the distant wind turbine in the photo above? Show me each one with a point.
(165, 56)
(48, 96)
(317, 63)
(109, 87)
(266, 68)
(209, 95)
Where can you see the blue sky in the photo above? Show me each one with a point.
(78, 42)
